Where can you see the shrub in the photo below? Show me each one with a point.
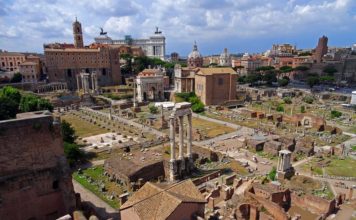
(302, 109)
(308, 99)
(73, 153)
(335, 114)
(153, 109)
(272, 174)
(287, 100)
(280, 108)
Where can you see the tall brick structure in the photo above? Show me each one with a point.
(321, 49)
(35, 180)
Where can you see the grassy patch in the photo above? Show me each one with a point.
(83, 128)
(339, 167)
(210, 129)
(97, 175)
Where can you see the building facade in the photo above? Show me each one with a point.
(215, 86)
(36, 181)
(10, 61)
(183, 79)
(30, 71)
(64, 61)
(154, 46)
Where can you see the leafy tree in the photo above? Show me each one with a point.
(312, 80)
(330, 70)
(264, 68)
(9, 102)
(16, 78)
(153, 109)
(335, 114)
(73, 153)
(286, 69)
(198, 107)
(241, 80)
(270, 77)
(283, 82)
(31, 103)
(253, 78)
(301, 68)
(68, 132)
(272, 174)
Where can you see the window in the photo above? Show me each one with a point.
(104, 72)
(69, 72)
(221, 81)
(55, 184)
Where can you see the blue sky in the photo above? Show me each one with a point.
(239, 25)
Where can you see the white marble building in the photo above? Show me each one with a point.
(154, 46)
(150, 85)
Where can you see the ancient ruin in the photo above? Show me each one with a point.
(184, 164)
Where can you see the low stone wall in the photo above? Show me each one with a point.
(206, 178)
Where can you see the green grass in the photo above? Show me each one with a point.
(327, 193)
(339, 167)
(83, 128)
(97, 174)
(353, 148)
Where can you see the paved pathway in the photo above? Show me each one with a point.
(298, 163)
(102, 209)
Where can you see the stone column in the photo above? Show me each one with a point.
(92, 82)
(96, 83)
(172, 162)
(189, 137)
(181, 141)
(172, 137)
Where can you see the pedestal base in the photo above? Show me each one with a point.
(136, 109)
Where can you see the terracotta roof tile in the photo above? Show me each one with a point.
(158, 201)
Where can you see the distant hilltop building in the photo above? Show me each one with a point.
(154, 46)
(282, 50)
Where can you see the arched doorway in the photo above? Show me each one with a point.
(160, 95)
(152, 93)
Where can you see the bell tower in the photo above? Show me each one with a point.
(78, 35)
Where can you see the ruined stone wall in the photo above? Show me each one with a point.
(149, 172)
(35, 180)
(314, 204)
(275, 210)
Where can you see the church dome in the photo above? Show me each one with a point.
(195, 53)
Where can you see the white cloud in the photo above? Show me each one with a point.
(118, 24)
(182, 21)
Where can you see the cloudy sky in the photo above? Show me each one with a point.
(239, 25)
